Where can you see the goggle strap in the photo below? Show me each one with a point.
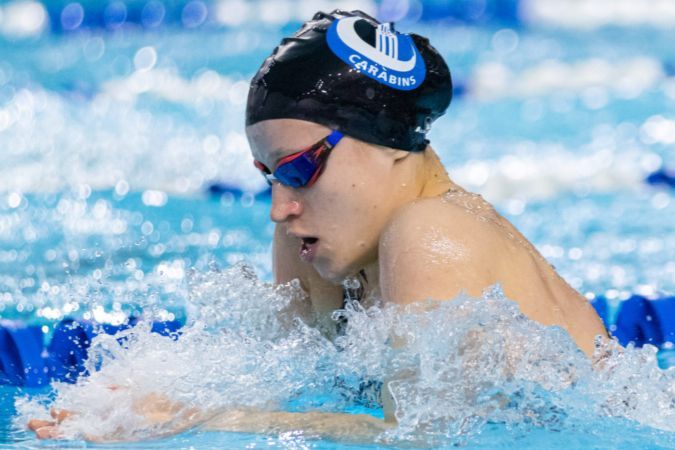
(291, 157)
(334, 138)
(314, 177)
(261, 167)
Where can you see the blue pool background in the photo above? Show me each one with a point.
(117, 117)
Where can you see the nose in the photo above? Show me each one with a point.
(284, 203)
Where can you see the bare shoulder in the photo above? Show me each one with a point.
(468, 218)
(436, 247)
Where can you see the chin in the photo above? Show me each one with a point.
(330, 271)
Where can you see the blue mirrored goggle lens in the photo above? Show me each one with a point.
(298, 172)
(302, 169)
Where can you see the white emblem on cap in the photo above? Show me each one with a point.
(386, 50)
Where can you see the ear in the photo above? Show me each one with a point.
(401, 154)
(395, 154)
(392, 154)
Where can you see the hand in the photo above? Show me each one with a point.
(162, 417)
(48, 429)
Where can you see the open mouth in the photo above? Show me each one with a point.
(308, 248)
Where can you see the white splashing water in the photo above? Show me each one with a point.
(454, 367)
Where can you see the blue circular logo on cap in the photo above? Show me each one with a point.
(394, 60)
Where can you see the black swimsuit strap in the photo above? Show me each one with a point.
(352, 291)
(356, 290)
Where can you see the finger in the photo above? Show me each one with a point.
(60, 414)
(37, 423)
(49, 432)
(91, 438)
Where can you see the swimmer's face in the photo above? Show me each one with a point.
(339, 219)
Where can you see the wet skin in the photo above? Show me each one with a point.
(417, 235)
(398, 218)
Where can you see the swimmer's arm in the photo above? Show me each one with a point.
(166, 417)
(424, 257)
(336, 426)
(161, 415)
(325, 297)
(425, 254)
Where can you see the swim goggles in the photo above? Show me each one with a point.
(301, 168)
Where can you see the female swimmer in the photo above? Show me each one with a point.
(337, 119)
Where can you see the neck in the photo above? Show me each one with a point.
(372, 274)
(434, 179)
(431, 180)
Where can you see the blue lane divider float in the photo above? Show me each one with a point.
(73, 15)
(640, 320)
(21, 355)
(68, 349)
(468, 11)
(25, 361)
(665, 311)
(661, 177)
(87, 14)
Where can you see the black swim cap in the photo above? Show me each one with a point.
(347, 71)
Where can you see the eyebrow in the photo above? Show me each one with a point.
(279, 152)
(274, 156)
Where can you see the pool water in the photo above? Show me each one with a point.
(111, 137)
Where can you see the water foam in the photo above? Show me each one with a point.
(454, 368)
(625, 79)
(531, 177)
(108, 141)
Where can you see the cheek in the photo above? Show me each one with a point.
(354, 195)
(352, 201)
(356, 184)
(351, 215)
